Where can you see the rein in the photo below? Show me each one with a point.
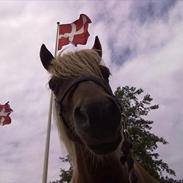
(127, 157)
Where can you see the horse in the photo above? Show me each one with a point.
(89, 118)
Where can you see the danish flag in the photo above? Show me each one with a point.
(5, 111)
(75, 33)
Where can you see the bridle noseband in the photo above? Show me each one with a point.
(75, 83)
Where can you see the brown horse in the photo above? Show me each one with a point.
(89, 118)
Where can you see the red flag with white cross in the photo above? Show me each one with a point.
(75, 33)
(5, 111)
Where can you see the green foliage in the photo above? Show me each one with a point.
(65, 175)
(136, 107)
(170, 180)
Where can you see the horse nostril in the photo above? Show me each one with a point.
(81, 117)
(100, 118)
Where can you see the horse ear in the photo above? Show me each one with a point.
(46, 57)
(97, 46)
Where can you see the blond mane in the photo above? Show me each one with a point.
(74, 64)
(71, 65)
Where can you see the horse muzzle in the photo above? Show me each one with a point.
(99, 124)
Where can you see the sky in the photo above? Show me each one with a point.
(142, 44)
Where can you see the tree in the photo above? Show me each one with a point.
(136, 107)
(65, 175)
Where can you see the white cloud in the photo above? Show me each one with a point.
(156, 67)
(159, 72)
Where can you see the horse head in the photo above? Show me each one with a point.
(84, 99)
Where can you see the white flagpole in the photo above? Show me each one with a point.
(47, 145)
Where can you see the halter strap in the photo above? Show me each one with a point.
(73, 86)
(82, 79)
(126, 149)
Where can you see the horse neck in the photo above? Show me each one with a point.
(92, 169)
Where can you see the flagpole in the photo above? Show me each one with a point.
(47, 145)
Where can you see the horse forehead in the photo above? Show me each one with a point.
(84, 92)
(90, 89)
(89, 85)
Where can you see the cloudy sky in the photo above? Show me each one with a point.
(142, 44)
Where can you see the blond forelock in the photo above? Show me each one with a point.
(74, 64)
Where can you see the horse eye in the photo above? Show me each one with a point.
(105, 72)
(51, 85)
(54, 84)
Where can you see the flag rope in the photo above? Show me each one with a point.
(47, 144)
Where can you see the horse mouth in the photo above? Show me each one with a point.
(105, 148)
